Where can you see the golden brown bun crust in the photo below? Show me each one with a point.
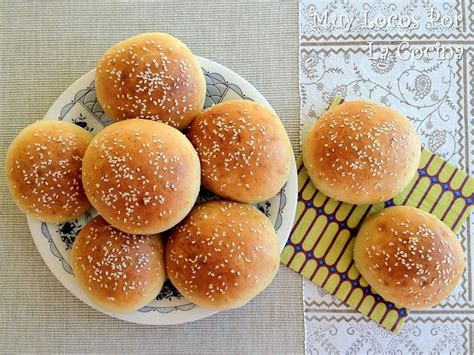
(244, 150)
(118, 271)
(222, 255)
(43, 170)
(409, 257)
(153, 76)
(361, 152)
(142, 176)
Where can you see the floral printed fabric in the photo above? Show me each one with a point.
(437, 96)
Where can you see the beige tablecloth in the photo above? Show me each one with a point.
(44, 47)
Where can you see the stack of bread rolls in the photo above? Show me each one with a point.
(143, 176)
(360, 153)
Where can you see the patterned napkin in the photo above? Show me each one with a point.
(321, 241)
(438, 98)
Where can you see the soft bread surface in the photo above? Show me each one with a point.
(43, 170)
(244, 150)
(153, 76)
(361, 152)
(222, 255)
(409, 257)
(142, 176)
(118, 271)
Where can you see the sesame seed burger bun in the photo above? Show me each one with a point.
(152, 76)
(118, 271)
(142, 176)
(43, 170)
(409, 257)
(222, 255)
(244, 150)
(361, 152)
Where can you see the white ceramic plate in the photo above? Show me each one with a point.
(78, 104)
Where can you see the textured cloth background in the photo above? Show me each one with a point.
(44, 47)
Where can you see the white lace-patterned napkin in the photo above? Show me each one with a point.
(437, 95)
